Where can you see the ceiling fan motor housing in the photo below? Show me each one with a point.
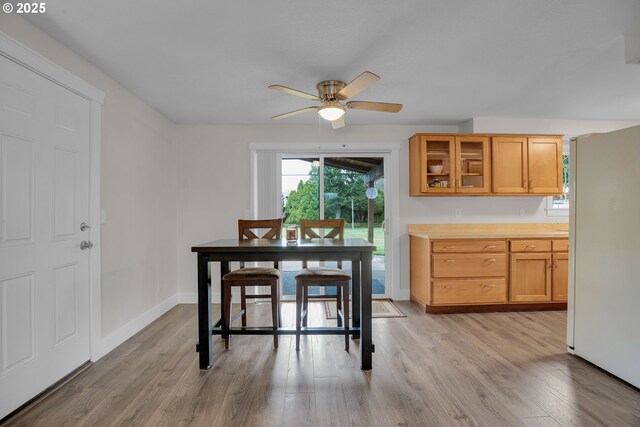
(328, 90)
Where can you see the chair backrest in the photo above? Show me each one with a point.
(335, 229)
(246, 228)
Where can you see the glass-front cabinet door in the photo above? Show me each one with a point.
(437, 160)
(472, 169)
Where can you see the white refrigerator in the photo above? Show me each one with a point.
(604, 252)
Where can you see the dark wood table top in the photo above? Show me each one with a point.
(271, 245)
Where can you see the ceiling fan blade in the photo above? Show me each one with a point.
(295, 92)
(357, 85)
(338, 123)
(385, 107)
(294, 113)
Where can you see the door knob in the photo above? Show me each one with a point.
(86, 245)
(84, 226)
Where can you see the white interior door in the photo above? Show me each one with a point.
(44, 197)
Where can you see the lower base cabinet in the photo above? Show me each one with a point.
(560, 277)
(469, 291)
(530, 277)
(489, 274)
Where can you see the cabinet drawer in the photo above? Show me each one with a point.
(469, 265)
(468, 245)
(530, 245)
(561, 245)
(469, 291)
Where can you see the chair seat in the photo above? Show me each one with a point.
(322, 273)
(253, 273)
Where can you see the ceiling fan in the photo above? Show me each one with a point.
(332, 92)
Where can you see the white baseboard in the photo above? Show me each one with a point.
(114, 339)
(189, 297)
(403, 295)
(192, 297)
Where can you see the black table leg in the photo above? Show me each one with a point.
(355, 296)
(204, 313)
(366, 342)
(224, 269)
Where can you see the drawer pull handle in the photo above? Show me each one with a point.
(449, 247)
(530, 246)
(448, 286)
(489, 285)
(490, 260)
(449, 260)
(556, 263)
(490, 247)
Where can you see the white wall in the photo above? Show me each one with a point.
(568, 128)
(214, 186)
(214, 180)
(138, 188)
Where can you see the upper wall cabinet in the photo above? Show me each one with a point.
(449, 164)
(527, 165)
(468, 164)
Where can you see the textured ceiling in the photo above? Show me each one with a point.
(210, 62)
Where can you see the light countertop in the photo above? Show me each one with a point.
(489, 231)
(495, 235)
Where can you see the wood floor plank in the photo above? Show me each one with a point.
(485, 369)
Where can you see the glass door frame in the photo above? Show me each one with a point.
(321, 155)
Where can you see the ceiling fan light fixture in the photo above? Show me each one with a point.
(331, 111)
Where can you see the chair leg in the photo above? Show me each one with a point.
(299, 288)
(339, 304)
(227, 313)
(279, 304)
(243, 305)
(345, 310)
(274, 311)
(305, 306)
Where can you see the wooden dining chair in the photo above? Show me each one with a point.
(253, 276)
(322, 276)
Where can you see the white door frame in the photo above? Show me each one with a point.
(20, 54)
(390, 153)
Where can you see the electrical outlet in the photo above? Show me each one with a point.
(521, 212)
(457, 213)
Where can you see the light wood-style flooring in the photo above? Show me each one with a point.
(492, 369)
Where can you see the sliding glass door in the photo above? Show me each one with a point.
(348, 187)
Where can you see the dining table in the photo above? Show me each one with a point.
(358, 251)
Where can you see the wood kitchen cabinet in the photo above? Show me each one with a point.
(526, 165)
(464, 162)
(530, 277)
(495, 267)
(474, 164)
(536, 273)
(560, 277)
